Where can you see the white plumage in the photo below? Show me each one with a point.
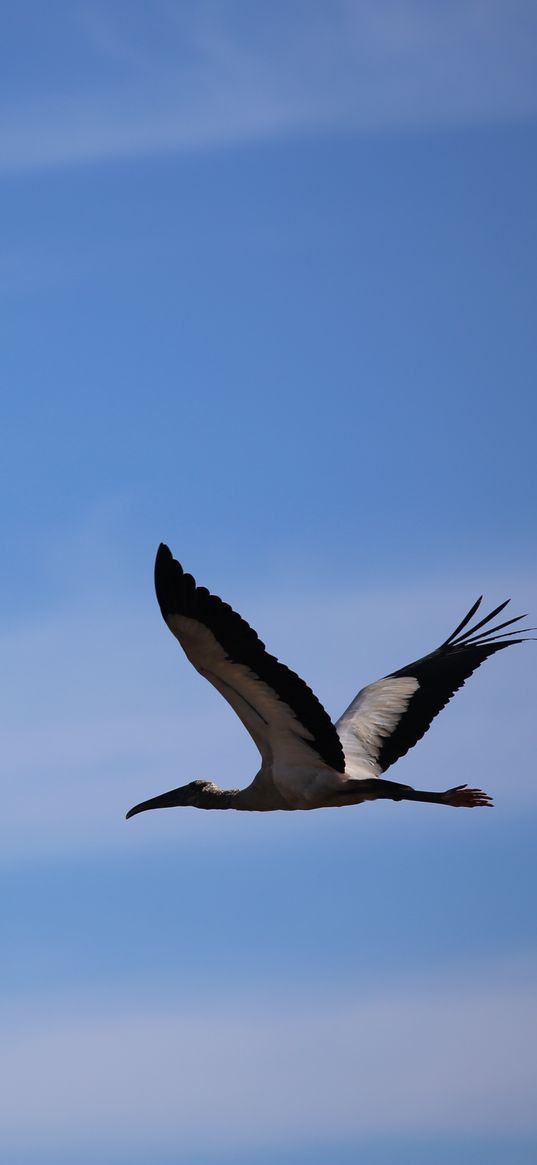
(373, 715)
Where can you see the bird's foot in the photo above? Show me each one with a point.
(464, 798)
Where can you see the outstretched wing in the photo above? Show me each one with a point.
(387, 718)
(284, 717)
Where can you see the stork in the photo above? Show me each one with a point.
(307, 762)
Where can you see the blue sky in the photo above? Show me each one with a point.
(268, 295)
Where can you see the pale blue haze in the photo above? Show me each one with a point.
(268, 294)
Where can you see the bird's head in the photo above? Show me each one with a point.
(192, 794)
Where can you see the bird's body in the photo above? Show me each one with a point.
(307, 761)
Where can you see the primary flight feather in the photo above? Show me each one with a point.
(307, 762)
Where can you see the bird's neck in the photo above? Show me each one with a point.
(215, 798)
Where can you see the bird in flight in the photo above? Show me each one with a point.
(307, 762)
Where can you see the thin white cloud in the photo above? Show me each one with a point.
(451, 1056)
(203, 75)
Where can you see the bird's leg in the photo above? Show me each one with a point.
(460, 797)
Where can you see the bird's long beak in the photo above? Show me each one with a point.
(163, 801)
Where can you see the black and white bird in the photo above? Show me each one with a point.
(307, 762)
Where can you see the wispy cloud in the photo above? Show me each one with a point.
(200, 75)
(447, 1056)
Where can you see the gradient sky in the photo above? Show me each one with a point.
(268, 295)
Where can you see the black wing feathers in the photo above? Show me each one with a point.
(178, 594)
(442, 673)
